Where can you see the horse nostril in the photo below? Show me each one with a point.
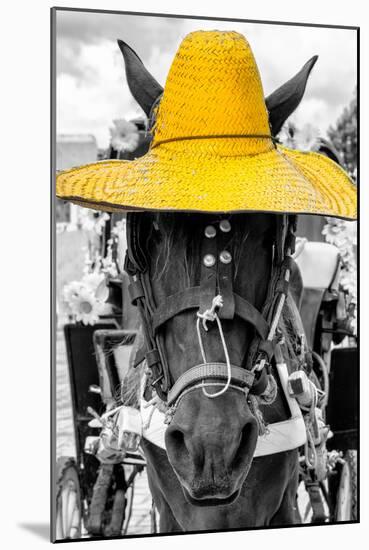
(177, 437)
(247, 444)
(175, 440)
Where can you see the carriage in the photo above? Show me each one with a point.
(323, 351)
(95, 499)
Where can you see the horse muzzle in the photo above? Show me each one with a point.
(210, 445)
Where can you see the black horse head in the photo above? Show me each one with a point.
(210, 442)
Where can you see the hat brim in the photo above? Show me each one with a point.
(167, 178)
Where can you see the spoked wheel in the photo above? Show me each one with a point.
(346, 500)
(68, 500)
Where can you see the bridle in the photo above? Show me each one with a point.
(215, 280)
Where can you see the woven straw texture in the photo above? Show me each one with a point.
(214, 89)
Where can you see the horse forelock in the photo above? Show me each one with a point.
(174, 245)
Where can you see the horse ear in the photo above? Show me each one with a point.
(283, 101)
(143, 86)
(327, 148)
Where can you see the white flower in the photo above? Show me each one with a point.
(100, 223)
(348, 282)
(86, 219)
(86, 308)
(92, 220)
(351, 230)
(86, 298)
(92, 280)
(303, 138)
(119, 228)
(124, 136)
(72, 291)
(342, 234)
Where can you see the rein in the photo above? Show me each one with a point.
(214, 301)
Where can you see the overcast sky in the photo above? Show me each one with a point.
(91, 83)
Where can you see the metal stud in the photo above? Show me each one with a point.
(225, 226)
(225, 257)
(210, 231)
(209, 260)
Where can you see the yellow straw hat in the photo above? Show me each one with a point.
(212, 148)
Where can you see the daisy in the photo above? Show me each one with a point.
(72, 291)
(124, 136)
(93, 280)
(86, 308)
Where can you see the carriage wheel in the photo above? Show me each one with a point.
(68, 500)
(346, 501)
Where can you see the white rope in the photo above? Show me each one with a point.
(309, 451)
(200, 341)
(211, 315)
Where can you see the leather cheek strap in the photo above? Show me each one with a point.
(225, 278)
(136, 291)
(208, 283)
(260, 384)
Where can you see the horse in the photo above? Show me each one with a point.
(208, 477)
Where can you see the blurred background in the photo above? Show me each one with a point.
(91, 84)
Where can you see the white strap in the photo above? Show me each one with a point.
(281, 436)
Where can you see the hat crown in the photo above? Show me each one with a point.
(213, 88)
